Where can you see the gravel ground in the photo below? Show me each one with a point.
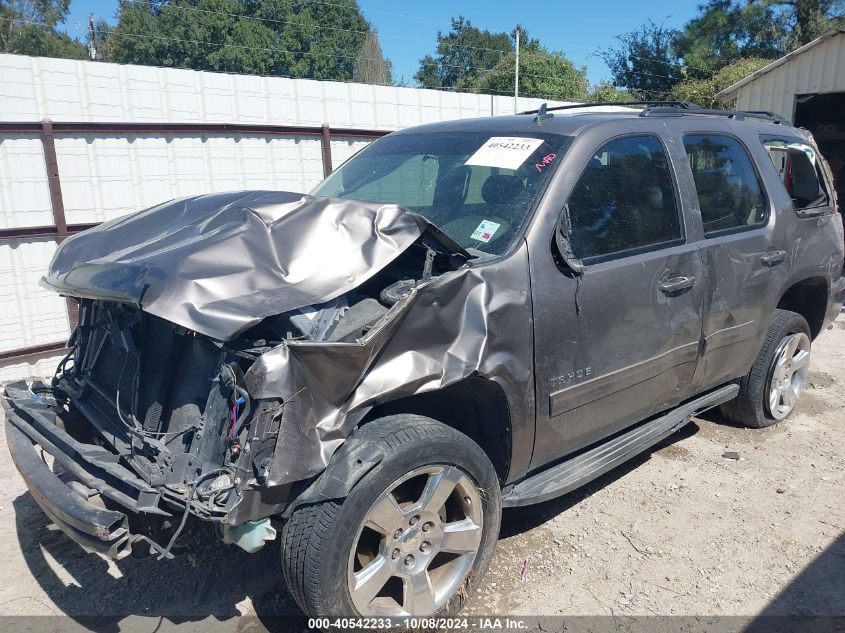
(681, 530)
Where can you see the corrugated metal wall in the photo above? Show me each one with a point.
(818, 69)
(67, 90)
(105, 175)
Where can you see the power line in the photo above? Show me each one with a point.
(481, 70)
(182, 7)
(114, 33)
(594, 52)
(401, 15)
(332, 55)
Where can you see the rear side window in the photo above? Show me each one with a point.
(796, 162)
(624, 200)
(730, 195)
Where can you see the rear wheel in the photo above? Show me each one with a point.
(413, 537)
(770, 391)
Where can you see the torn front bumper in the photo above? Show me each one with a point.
(94, 527)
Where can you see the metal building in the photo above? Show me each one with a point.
(807, 87)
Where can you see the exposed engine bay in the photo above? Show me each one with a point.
(172, 405)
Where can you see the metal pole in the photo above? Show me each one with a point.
(92, 38)
(54, 184)
(326, 146)
(516, 76)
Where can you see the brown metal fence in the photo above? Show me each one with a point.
(60, 229)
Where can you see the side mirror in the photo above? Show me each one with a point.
(563, 246)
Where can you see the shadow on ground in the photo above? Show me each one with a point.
(812, 603)
(210, 580)
(518, 520)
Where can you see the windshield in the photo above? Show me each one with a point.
(479, 188)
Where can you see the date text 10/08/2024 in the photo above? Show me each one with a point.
(378, 624)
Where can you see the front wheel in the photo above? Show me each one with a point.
(414, 536)
(770, 391)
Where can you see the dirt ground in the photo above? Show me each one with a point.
(681, 530)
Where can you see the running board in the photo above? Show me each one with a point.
(572, 473)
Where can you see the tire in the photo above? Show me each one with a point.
(325, 546)
(753, 407)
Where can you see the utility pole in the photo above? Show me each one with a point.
(92, 38)
(516, 75)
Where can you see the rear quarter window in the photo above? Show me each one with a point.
(797, 165)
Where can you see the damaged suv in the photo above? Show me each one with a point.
(465, 316)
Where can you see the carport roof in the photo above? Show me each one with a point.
(729, 93)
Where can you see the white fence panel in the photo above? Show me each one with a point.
(24, 196)
(70, 90)
(104, 178)
(29, 314)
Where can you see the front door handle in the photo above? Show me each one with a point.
(773, 258)
(674, 285)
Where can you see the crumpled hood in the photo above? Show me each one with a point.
(218, 264)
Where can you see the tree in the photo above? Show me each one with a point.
(812, 18)
(728, 30)
(542, 74)
(28, 27)
(293, 38)
(463, 55)
(644, 60)
(606, 92)
(371, 67)
(702, 91)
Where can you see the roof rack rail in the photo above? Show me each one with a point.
(595, 104)
(739, 115)
(669, 108)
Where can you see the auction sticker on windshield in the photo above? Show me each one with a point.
(485, 231)
(506, 152)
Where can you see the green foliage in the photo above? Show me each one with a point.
(28, 27)
(644, 60)
(606, 92)
(728, 30)
(462, 56)
(811, 18)
(542, 74)
(703, 91)
(293, 38)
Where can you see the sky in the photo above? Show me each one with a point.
(408, 31)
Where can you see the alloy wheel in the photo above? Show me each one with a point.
(416, 543)
(788, 374)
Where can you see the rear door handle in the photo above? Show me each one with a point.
(773, 258)
(674, 285)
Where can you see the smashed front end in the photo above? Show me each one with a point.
(147, 422)
(225, 347)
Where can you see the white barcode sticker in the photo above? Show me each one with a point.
(506, 152)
